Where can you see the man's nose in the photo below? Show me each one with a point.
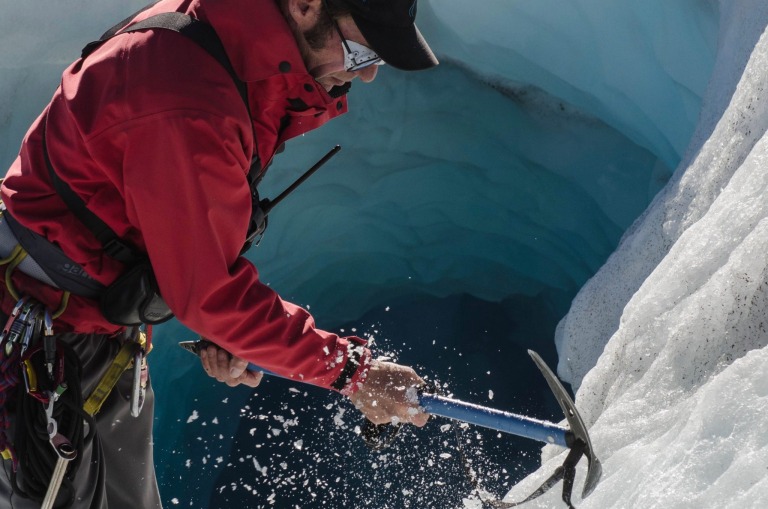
(367, 74)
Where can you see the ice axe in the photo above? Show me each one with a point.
(574, 437)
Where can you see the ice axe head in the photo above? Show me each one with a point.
(578, 437)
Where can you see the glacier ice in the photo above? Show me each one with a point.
(678, 392)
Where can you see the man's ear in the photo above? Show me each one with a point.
(305, 13)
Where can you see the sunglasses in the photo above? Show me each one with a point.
(356, 56)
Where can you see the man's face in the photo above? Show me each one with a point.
(322, 49)
(329, 70)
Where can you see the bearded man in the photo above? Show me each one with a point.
(133, 198)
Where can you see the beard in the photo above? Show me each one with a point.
(319, 34)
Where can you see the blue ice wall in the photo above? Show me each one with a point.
(640, 67)
(448, 185)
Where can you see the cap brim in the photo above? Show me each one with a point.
(401, 47)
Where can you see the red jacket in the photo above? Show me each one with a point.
(151, 132)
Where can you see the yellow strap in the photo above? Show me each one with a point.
(143, 341)
(31, 375)
(123, 361)
(110, 378)
(15, 261)
(62, 305)
(14, 253)
(6, 454)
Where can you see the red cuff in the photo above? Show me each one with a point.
(358, 362)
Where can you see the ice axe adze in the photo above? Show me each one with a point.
(575, 437)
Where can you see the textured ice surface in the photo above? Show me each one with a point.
(679, 392)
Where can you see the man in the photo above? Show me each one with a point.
(150, 133)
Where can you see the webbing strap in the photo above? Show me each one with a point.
(113, 246)
(204, 36)
(15, 262)
(121, 362)
(116, 28)
(551, 481)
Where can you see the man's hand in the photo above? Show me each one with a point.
(389, 394)
(225, 367)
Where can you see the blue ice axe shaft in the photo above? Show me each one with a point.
(505, 422)
(470, 413)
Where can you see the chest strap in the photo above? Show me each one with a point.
(64, 272)
(201, 33)
(197, 31)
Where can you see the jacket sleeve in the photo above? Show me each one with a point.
(186, 193)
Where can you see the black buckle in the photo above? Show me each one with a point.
(117, 249)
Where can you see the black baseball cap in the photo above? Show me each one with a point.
(388, 26)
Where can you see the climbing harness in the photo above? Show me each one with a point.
(50, 403)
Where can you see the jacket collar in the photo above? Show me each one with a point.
(257, 37)
(285, 99)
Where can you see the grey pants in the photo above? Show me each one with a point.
(117, 469)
